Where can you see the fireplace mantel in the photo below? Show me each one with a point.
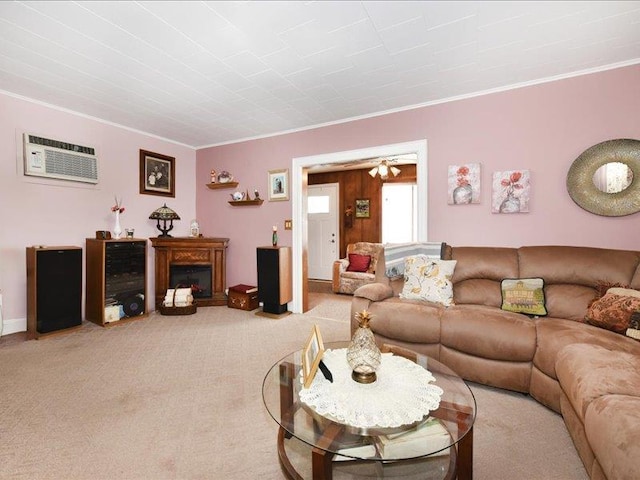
(191, 251)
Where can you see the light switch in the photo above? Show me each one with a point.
(288, 224)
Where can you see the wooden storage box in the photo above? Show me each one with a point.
(243, 297)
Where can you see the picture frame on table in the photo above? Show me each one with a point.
(157, 174)
(278, 185)
(362, 208)
(311, 356)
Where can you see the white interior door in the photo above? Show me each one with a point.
(323, 231)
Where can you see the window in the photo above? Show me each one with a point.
(318, 204)
(399, 213)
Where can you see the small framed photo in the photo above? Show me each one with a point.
(362, 208)
(311, 356)
(157, 174)
(278, 185)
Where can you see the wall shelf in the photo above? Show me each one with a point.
(216, 186)
(245, 203)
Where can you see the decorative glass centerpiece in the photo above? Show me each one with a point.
(363, 355)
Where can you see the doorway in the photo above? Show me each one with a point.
(324, 230)
(299, 191)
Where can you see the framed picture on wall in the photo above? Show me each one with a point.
(362, 208)
(278, 185)
(510, 192)
(157, 174)
(463, 184)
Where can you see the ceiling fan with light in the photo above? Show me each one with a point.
(383, 169)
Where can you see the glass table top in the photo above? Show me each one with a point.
(434, 434)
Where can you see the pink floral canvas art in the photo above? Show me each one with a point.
(463, 184)
(510, 192)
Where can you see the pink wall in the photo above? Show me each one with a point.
(50, 212)
(541, 128)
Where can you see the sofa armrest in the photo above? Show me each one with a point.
(339, 267)
(376, 292)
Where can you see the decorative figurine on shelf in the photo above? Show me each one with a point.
(256, 195)
(237, 196)
(194, 229)
(214, 177)
(363, 355)
(274, 236)
(225, 177)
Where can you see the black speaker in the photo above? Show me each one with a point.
(274, 278)
(54, 289)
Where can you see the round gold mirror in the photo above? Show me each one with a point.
(605, 179)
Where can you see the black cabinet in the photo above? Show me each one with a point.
(274, 278)
(116, 280)
(54, 289)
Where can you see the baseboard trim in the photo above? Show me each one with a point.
(14, 325)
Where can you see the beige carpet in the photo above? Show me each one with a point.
(179, 397)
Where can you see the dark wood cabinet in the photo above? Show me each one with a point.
(196, 262)
(116, 280)
(54, 290)
(274, 279)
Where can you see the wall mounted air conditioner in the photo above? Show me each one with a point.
(48, 158)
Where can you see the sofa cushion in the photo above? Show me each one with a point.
(584, 266)
(479, 271)
(523, 295)
(351, 281)
(358, 262)
(477, 291)
(493, 263)
(489, 332)
(376, 292)
(414, 321)
(568, 301)
(556, 333)
(428, 279)
(587, 372)
(578, 265)
(611, 427)
(614, 310)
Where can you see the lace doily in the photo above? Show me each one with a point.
(401, 395)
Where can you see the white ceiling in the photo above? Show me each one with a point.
(205, 73)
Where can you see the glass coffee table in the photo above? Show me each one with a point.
(311, 445)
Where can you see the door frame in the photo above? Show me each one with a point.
(336, 225)
(299, 196)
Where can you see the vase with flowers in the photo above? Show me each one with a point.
(117, 209)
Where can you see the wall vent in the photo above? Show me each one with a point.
(48, 158)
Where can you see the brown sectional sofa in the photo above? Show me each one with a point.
(590, 375)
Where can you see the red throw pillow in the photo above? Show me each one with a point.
(358, 263)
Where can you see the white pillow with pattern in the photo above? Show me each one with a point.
(428, 279)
